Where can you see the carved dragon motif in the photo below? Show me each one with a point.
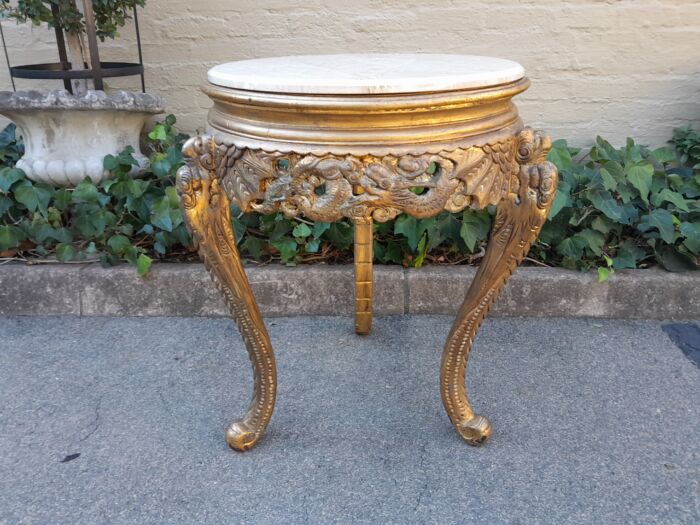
(329, 187)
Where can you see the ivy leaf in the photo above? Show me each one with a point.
(691, 232)
(158, 133)
(562, 198)
(174, 156)
(91, 221)
(10, 237)
(161, 168)
(572, 247)
(86, 191)
(408, 227)
(603, 273)
(253, 246)
(674, 260)
(37, 230)
(663, 155)
(630, 213)
(126, 160)
(445, 227)
(475, 227)
(110, 163)
(159, 247)
(5, 204)
(609, 182)
(34, 196)
(301, 231)
(627, 255)
(594, 240)
(62, 199)
(8, 176)
(173, 199)
(603, 150)
(65, 252)
(118, 243)
(319, 228)
(605, 202)
(422, 250)
(281, 228)
(127, 229)
(392, 254)
(312, 246)
(160, 214)
(559, 155)
(660, 219)
(143, 264)
(62, 235)
(239, 228)
(287, 248)
(602, 224)
(616, 171)
(182, 235)
(341, 235)
(640, 176)
(673, 197)
(690, 189)
(137, 187)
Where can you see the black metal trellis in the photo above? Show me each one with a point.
(63, 70)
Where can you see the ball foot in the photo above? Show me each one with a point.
(240, 437)
(475, 431)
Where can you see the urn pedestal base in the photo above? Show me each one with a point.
(66, 137)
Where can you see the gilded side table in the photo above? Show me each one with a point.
(353, 136)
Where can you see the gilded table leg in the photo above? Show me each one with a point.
(206, 211)
(519, 218)
(363, 275)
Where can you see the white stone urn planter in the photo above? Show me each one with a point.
(66, 137)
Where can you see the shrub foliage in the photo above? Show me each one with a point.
(630, 207)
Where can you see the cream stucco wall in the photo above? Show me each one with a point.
(616, 68)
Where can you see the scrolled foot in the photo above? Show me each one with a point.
(519, 217)
(475, 431)
(240, 436)
(207, 213)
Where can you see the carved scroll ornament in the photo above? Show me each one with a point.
(329, 187)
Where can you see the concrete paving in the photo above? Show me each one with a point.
(120, 420)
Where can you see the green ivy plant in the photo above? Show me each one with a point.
(629, 207)
(687, 143)
(622, 208)
(123, 218)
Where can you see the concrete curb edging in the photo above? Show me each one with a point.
(186, 290)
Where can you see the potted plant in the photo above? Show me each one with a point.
(67, 133)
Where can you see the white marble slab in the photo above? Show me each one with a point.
(358, 74)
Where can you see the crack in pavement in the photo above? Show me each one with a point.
(95, 423)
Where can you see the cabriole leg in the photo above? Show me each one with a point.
(206, 210)
(519, 218)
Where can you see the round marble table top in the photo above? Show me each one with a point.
(363, 74)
